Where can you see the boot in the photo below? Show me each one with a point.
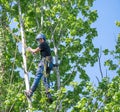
(28, 93)
(50, 100)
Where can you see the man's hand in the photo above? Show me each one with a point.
(29, 49)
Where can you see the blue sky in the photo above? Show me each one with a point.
(108, 12)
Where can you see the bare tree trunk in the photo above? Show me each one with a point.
(57, 68)
(41, 8)
(59, 103)
(24, 55)
(36, 16)
(56, 60)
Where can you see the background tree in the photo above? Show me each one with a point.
(112, 94)
(67, 26)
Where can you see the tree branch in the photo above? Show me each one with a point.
(99, 61)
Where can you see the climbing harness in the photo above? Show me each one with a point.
(46, 62)
(47, 65)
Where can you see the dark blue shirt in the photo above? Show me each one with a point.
(44, 49)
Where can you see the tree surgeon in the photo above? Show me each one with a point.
(44, 66)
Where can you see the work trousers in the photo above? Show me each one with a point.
(39, 75)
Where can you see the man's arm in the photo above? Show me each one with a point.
(33, 50)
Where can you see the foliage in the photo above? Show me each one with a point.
(67, 26)
(114, 63)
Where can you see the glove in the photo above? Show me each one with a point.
(28, 49)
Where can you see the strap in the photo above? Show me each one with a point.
(46, 61)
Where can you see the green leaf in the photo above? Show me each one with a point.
(106, 51)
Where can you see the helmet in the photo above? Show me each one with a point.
(40, 36)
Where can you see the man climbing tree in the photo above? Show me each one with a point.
(44, 66)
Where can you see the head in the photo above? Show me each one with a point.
(41, 38)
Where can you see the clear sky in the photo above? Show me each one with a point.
(109, 13)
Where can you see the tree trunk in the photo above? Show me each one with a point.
(3, 24)
(58, 104)
(24, 55)
(57, 68)
(1, 50)
(41, 8)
